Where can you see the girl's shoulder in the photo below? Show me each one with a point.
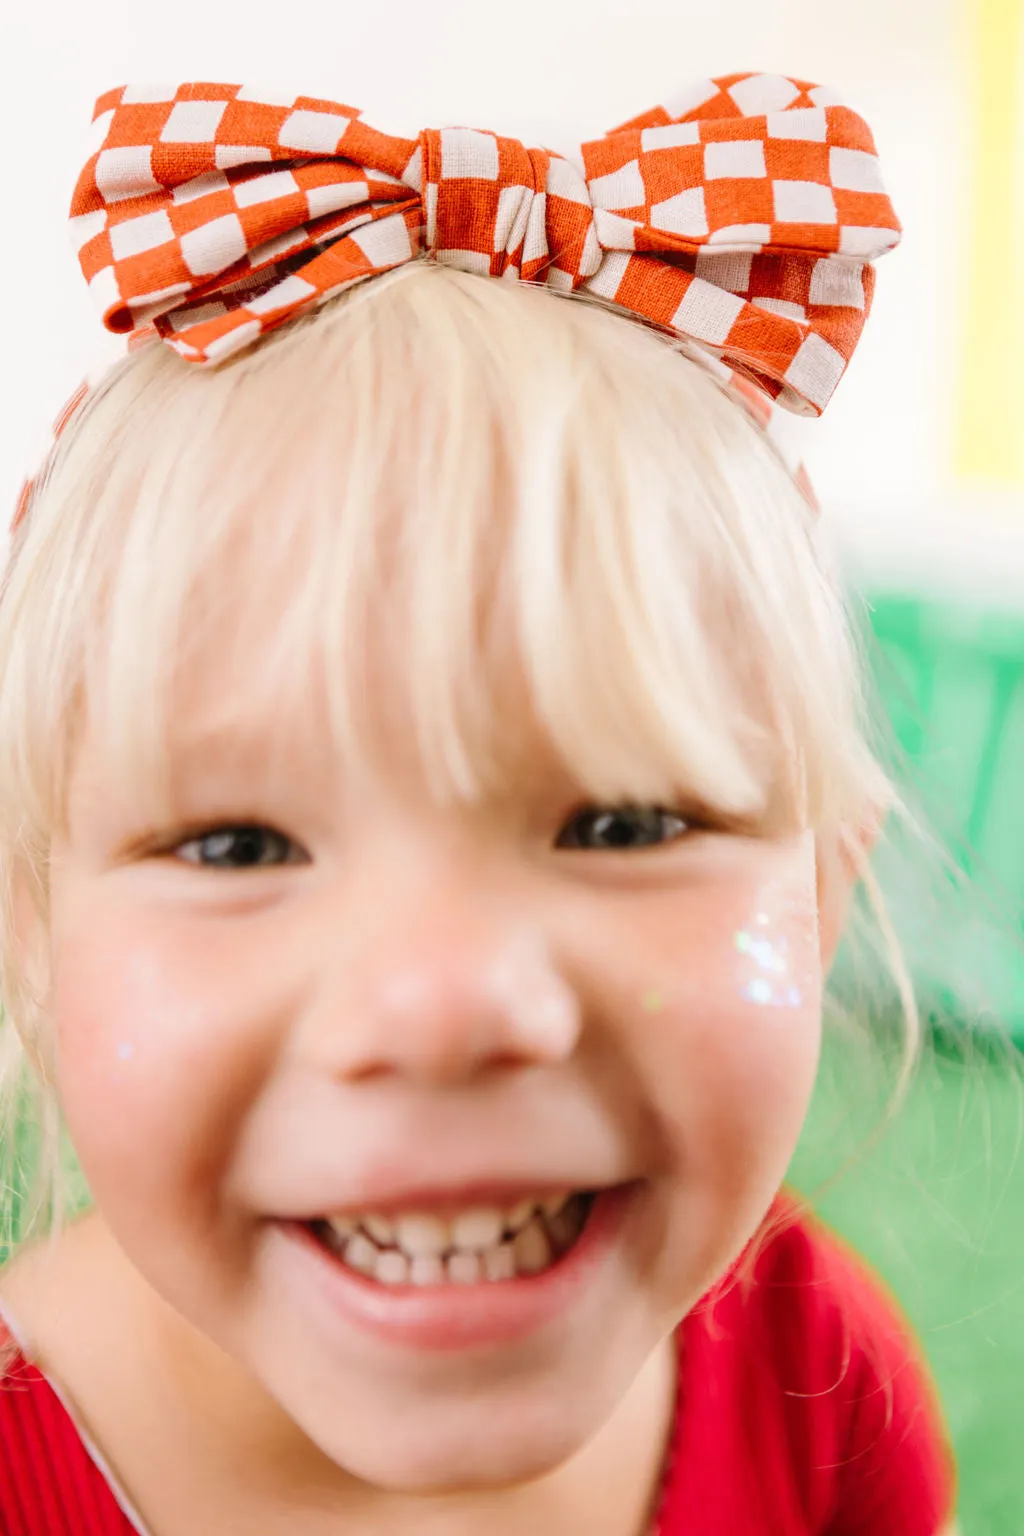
(50, 1480)
(805, 1404)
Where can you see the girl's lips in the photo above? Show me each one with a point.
(453, 1317)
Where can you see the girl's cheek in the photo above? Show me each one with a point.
(145, 1057)
(733, 1044)
(775, 987)
(108, 1037)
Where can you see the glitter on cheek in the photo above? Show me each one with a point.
(126, 1050)
(771, 960)
(758, 990)
(653, 1002)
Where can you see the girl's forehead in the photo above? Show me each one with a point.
(242, 708)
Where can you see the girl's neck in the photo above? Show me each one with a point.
(174, 1416)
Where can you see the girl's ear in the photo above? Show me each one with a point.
(842, 856)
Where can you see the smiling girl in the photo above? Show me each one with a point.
(433, 780)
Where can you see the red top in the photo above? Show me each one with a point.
(803, 1411)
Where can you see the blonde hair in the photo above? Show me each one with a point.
(503, 468)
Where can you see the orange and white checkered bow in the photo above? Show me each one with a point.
(743, 217)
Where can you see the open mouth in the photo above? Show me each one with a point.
(486, 1243)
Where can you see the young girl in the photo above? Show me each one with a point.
(433, 778)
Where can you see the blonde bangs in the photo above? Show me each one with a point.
(477, 480)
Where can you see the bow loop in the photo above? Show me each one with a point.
(743, 218)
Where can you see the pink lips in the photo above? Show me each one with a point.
(454, 1317)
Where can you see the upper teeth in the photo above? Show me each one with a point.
(423, 1235)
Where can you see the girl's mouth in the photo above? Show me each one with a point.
(443, 1280)
(469, 1247)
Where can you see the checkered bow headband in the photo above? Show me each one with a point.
(744, 219)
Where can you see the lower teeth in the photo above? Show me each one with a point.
(529, 1251)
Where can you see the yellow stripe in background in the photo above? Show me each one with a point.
(989, 443)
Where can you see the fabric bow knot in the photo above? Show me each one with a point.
(743, 219)
(492, 205)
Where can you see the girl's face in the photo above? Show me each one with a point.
(545, 1064)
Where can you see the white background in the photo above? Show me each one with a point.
(555, 72)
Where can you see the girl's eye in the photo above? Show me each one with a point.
(624, 826)
(245, 847)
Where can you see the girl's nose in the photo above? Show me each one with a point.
(446, 1000)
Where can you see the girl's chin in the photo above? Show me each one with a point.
(473, 1452)
(509, 1434)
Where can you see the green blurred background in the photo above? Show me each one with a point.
(931, 532)
(938, 1206)
(933, 1194)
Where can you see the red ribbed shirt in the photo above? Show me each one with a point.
(803, 1410)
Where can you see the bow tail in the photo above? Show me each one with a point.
(792, 358)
